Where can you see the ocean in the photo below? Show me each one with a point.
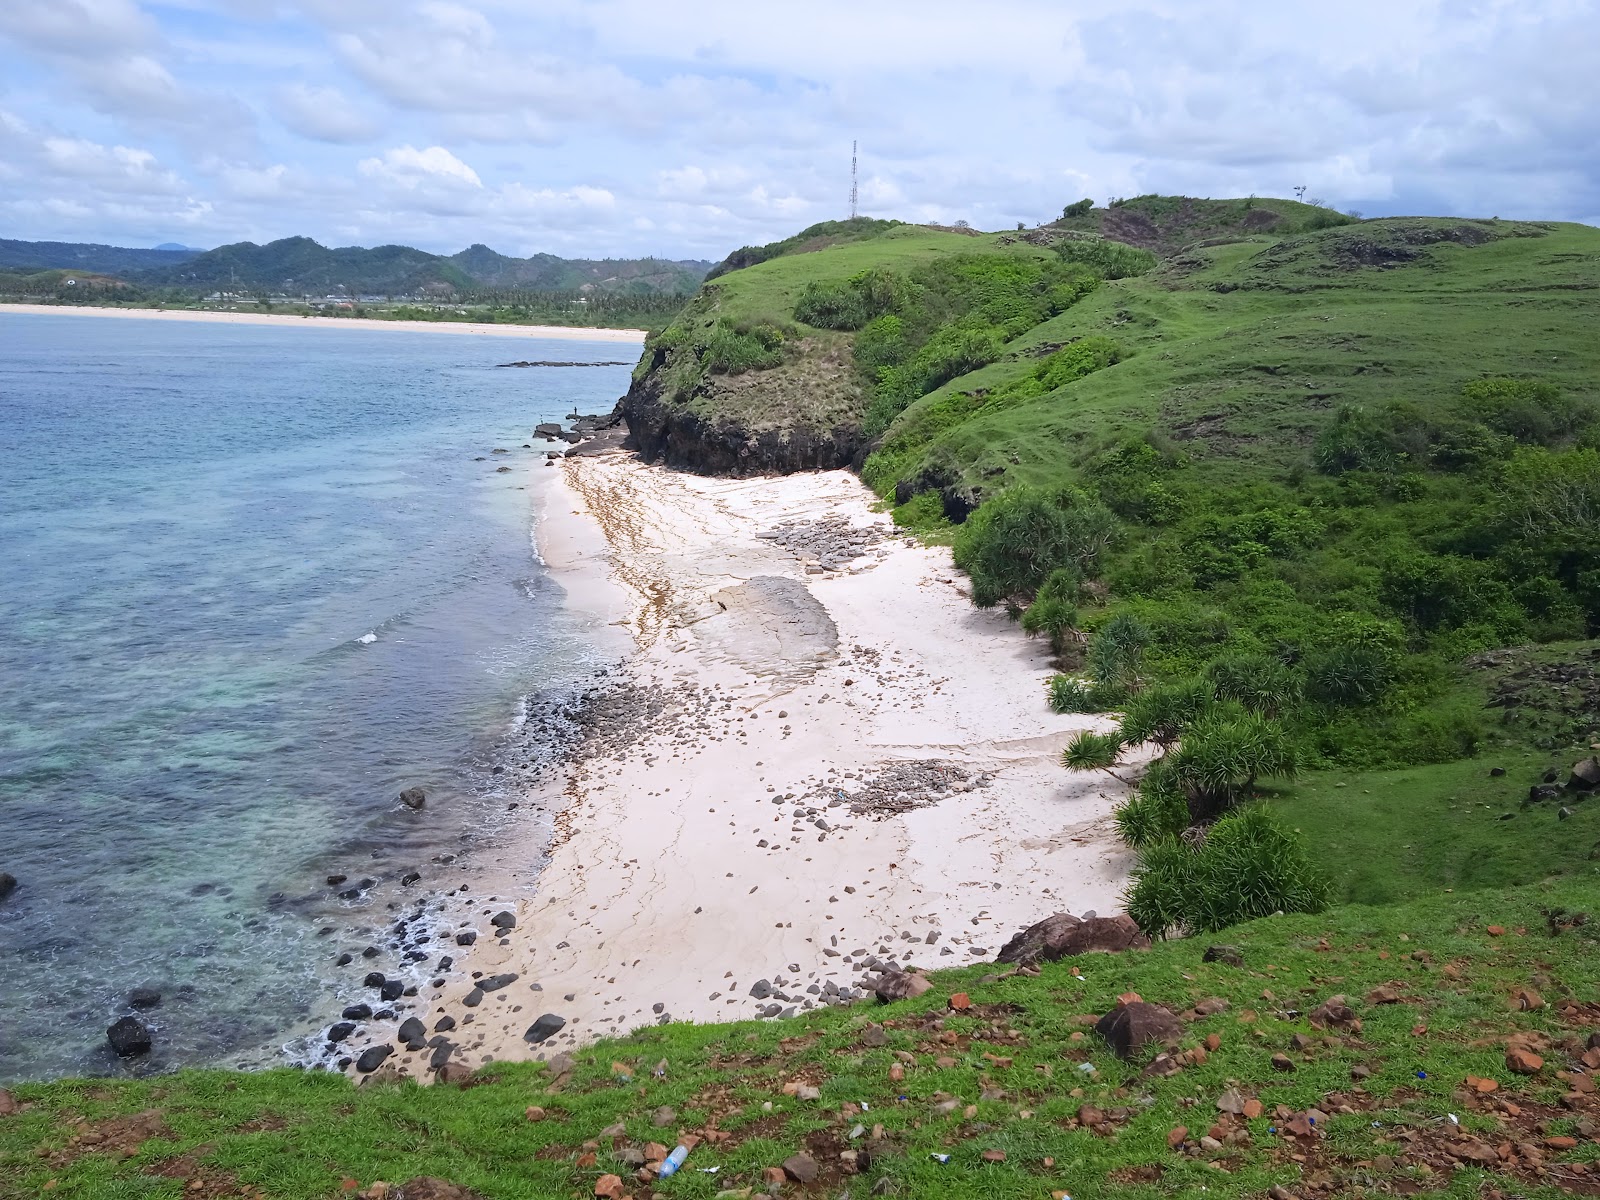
(254, 581)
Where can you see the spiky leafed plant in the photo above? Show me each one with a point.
(1261, 683)
(1070, 695)
(1157, 809)
(1055, 619)
(1161, 714)
(1116, 652)
(1225, 752)
(1090, 750)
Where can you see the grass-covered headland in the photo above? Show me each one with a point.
(1457, 1062)
(1310, 508)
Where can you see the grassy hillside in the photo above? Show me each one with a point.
(86, 256)
(990, 1086)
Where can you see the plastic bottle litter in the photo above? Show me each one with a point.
(1086, 1068)
(940, 1158)
(674, 1161)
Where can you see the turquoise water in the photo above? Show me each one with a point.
(253, 582)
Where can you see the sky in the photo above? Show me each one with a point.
(686, 128)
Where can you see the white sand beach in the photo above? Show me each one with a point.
(568, 332)
(722, 847)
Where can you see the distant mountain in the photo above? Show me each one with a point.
(81, 256)
(179, 246)
(546, 272)
(300, 265)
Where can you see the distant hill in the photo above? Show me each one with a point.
(299, 264)
(546, 272)
(84, 256)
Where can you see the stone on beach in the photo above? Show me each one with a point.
(129, 1037)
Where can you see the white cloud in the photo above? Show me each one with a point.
(119, 168)
(324, 114)
(76, 27)
(408, 167)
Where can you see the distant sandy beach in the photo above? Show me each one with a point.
(569, 332)
(846, 768)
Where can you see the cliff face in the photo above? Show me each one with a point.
(804, 415)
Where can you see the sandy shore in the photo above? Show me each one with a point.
(723, 845)
(570, 333)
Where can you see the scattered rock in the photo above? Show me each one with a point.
(8, 884)
(801, 1168)
(1130, 1027)
(129, 1037)
(608, 1187)
(1523, 1062)
(900, 985)
(504, 921)
(142, 999)
(413, 798)
(1334, 1013)
(544, 1028)
(428, 1188)
(372, 1058)
(663, 1116)
(1227, 955)
(1064, 935)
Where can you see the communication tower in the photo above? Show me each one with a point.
(852, 181)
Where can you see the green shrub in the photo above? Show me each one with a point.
(1116, 652)
(1013, 542)
(1261, 683)
(1160, 714)
(1078, 208)
(1528, 410)
(729, 351)
(1356, 439)
(1224, 753)
(831, 306)
(1054, 618)
(881, 343)
(1349, 674)
(924, 511)
(1250, 865)
(1090, 750)
(1069, 695)
(1157, 810)
(1110, 260)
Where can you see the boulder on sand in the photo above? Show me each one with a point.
(544, 1028)
(900, 985)
(1064, 936)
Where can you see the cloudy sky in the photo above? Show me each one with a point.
(687, 127)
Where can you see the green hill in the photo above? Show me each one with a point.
(86, 256)
(299, 266)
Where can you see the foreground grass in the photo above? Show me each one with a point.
(1020, 1065)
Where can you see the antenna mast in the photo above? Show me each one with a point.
(852, 181)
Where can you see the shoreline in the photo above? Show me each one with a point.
(832, 763)
(576, 333)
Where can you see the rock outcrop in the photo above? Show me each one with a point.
(1064, 936)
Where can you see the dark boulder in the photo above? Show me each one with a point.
(1227, 955)
(1130, 1027)
(413, 798)
(357, 1012)
(466, 938)
(339, 1030)
(392, 990)
(1064, 936)
(413, 1033)
(129, 1037)
(473, 998)
(8, 884)
(142, 998)
(495, 982)
(375, 979)
(372, 1058)
(544, 1028)
(444, 1024)
(504, 921)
